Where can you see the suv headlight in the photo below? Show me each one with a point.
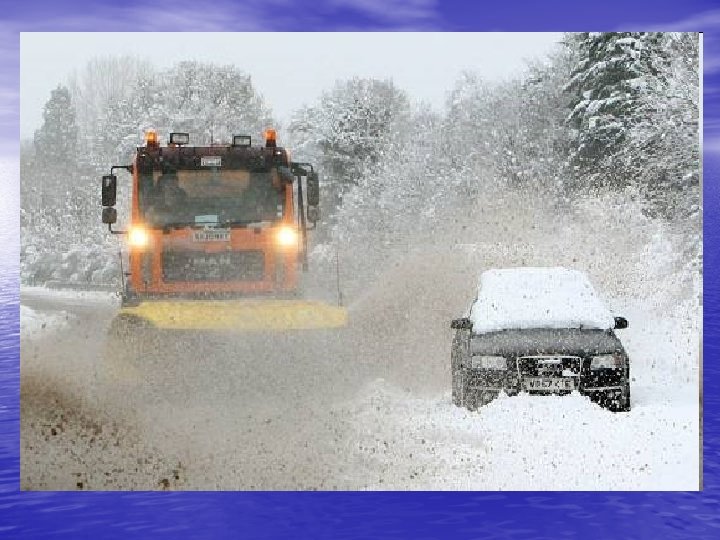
(488, 362)
(607, 361)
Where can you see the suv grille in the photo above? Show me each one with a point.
(549, 366)
(201, 266)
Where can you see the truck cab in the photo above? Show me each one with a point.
(214, 221)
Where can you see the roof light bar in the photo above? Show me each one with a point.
(179, 138)
(242, 140)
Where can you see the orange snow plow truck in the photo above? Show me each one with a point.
(217, 235)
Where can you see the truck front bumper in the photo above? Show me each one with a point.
(254, 314)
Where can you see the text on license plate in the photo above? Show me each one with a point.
(550, 384)
(212, 236)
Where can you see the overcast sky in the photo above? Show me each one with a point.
(288, 69)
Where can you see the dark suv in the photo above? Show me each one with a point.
(540, 331)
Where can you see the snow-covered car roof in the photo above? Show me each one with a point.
(522, 298)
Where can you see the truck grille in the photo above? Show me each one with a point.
(201, 266)
(549, 366)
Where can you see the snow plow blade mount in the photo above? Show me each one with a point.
(242, 315)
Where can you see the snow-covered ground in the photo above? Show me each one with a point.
(401, 441)
(519, 443)
(43, 310)
(388, 435)
(33, 322)
(75, 296)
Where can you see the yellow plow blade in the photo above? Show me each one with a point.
(267, 314)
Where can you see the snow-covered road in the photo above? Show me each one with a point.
(366, 408)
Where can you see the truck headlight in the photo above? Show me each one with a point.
(488, 362)
(138, 237)
(607, 361)
(287, 236)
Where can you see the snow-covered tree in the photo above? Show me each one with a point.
(100, 85)
(122, 122)
(56, 140)
(349, 131)
(408, 180)
(607, 86)
(545, 144)
(663, 147)
(208, 101)
(510, 132)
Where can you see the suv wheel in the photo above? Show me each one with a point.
(616, 402)
(624, 405)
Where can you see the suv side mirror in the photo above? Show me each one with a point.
(109, 190)
(620, 323)
(313, 189)
(109, 215)
(461, 324)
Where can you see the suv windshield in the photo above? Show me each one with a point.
(214, 196)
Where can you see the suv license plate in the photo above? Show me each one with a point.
(222, 235)
(545, 383)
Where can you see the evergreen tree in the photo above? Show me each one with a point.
(663, 147)
(56, 141)
(607, 87)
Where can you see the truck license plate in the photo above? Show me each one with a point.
(216, 235)
(549, 384)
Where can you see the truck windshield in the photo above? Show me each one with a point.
(214, 196)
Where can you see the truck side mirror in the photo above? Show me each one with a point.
(313, 189)
(461, 324)
(620, 323)
(109, 215)
(109, 191)
(313, 214)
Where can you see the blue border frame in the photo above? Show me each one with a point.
(360, 515)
